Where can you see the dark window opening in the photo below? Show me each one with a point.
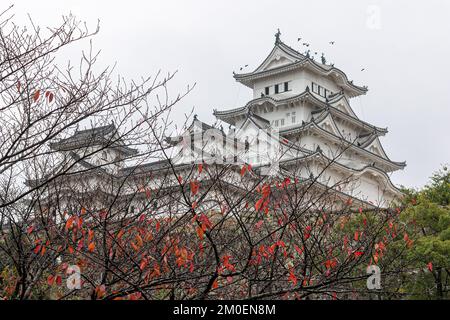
(276, 89)
(267, 91)
(286, 86)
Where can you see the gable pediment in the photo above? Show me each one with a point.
(277, 58)
(376, 148)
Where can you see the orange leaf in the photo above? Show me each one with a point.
(139, 240)
(90, 235)
(200, 232)
(215, 284)
(69, 223)
(135, 247)
(91, 247)
(143, 264)
(100, 291)
(120, 234)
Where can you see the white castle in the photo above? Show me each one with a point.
(300, 112)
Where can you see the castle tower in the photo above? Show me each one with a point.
(309, 103)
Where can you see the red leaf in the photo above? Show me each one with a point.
(194, 187)
(37, 249)
(299, 251)
(50, 97)
(258, 204)
(215, 284)
(292, 277)
(430, 266)
(58, 280)
(243, 170)
(36, 95)
(30, 229)
(148, 193)
(200, 168)
(356, 237)
(358, 253)
(50, 280)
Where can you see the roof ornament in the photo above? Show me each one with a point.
(195, 116)
(324, 61)
(277, 36)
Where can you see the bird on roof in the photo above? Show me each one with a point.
(331, 42)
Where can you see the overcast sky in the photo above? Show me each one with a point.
(403, 45)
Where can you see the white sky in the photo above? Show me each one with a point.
(405, 51)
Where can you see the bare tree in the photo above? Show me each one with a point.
(41, 104)
(157, 229)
